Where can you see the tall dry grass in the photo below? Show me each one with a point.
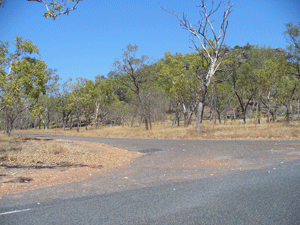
(209, 130)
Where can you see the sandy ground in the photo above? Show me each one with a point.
(41, 162)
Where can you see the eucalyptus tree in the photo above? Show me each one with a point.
(49, 102)
(154, 102)
(64, 106)
(221, 97)
(131, 72)
(209, 43)
(104, 96)
(265, 62)
(82, 100)
(180, 83)
(119, 111)
(292, 35)
(22, 79)
(240, 77)
(271, 76)
(288, 88)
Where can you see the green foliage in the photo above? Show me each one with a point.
(3, 53)
(292, 35)
(55, 8)
(177, 75)
(24, 82)
(23, 47)
(221, 95)
(248, 47)
(130, 70)
(27, 76)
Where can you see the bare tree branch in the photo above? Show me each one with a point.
(56, 7)
(212, 49)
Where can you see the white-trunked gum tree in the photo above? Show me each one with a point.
(210, 45)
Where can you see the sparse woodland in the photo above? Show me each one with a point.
(213, 82)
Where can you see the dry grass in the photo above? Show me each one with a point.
(27, 162)
(232, 130)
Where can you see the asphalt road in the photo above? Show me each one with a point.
(175, 182)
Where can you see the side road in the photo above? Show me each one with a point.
(152, 145)
(175, 182)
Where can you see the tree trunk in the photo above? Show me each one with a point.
(219, 117)
(202, 112)
(292, 111)
(298, 108)
(252, 114)
(274, 115)
(146, 123)
(258, 112)
(39, 122)
(210, 116)
(8, 128)
(96, 115)
(268, 114)
(86, 122)
(189, 118)
(225, 117)
(77, 123)
(185, 116)
(234, 115)
(174, 121)
(132, 121)
(71, 123)
(288, 114)
(214, 121)
(64, 125)
(63, 122)
(151, 122)
(47, 119)
(141, 121)
(244, 116)
(199, 116)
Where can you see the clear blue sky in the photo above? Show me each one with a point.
(86, 43)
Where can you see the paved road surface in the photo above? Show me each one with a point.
(176, 182)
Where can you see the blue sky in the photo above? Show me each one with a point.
(86, 43)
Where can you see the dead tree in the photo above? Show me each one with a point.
(209, 44)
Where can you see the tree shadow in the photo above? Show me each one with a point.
(37, 139)
(150, 150)
(19, 180)
(59, 166)
(11, 149)
(48, 166)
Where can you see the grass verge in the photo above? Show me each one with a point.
(29, 162)
(231, 130)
